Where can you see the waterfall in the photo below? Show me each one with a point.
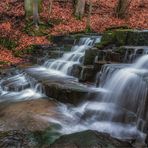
(121, 108)
(19, 86)
(64, 64)
(128, 88)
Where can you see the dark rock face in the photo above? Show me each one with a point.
(63, 39)
(90, 55)
(89, 139)
(15, 139)
(146, 141)
(76, 70)
(87, 74)
(66, 93)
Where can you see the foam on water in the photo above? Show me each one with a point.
(123, 97)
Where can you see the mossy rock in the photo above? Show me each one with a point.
(29, 139)
(32, 30)
(121, 50)
(121, 37)
(89, 57)
(112, 28)
(8, 43)
(88, 139)
(137, 38)
(29, 50)
(3, 62)
(46, 137)
(16, 139)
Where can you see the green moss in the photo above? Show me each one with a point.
(55, 21)
(47, 136)
(3, 62)
(138, 38)
(121, 37)
(32, 30)
(8, 43)
(88, 30)
(120, 50)
(109, 37)
(29, 50)
(117, 27)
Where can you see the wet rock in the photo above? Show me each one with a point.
(112, 56)
(118, 114)
(26, 115)
(130, 53)
(66, 92)
(89, 57)
(29, 139)
(16, 139)
(76, 70)
(146, 140)
(87, 74)
(89, 139)
(98, 65)
(61, 39)
(137, 38)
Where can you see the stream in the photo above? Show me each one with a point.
(117, 109)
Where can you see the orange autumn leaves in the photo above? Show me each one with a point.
(12, 21)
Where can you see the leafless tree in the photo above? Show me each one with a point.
(80, 8)
(122, 7)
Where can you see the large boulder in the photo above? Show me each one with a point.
(89, 139)
(70, 92)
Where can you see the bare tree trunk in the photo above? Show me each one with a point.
(122, 8)
(79, 9)
(28, 8)
(50, 6)
(88, 26)
(36, 18)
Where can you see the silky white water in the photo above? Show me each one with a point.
(19, 87)
(123, 97)
(63, 64)
(115, 111)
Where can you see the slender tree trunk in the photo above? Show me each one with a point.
(122, 8)
(79, 9)
(36, 18)
(50, 6)
(89, 15)
(28, 8)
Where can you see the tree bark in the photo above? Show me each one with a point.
(80, 8)
(88, 26)
(50, 6)
(36, 18)
(121, 10)
(28, 7)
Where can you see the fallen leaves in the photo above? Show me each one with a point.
(12, 21)
(7, 56)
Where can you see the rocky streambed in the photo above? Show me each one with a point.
(55, 102)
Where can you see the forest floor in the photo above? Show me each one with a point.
(12, 22)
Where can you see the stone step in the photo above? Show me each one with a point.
(64, 89)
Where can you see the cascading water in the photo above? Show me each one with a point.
(19, 87)
(119, 109)
(64, 63)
